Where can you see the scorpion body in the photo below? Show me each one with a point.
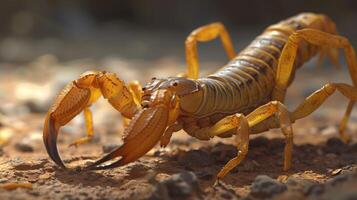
(247, 81)
(244, 97)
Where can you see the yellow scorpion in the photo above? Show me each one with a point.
(244, 97)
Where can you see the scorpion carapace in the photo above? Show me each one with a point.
(244, 97)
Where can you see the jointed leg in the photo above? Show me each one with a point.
(258, 117)
(243, 124)
(89, 127)
(204, 34)
(314, 101)
(321, 39)
(165, 139)
(242, 145)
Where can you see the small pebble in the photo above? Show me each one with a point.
(335, 142)
(24, 145)
(336, 172)
(107, 148)
(37, 106)
(264, 186)
(178, 185)
(297, 184)
(3, 180)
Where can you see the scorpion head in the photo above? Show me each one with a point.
(186, 91)
(162, 103)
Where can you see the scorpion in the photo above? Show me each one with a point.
(244, 97)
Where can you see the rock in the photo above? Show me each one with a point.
(196, 158)
(28, 143)
(297, 184)
(24, 145)
(107, 148)
(335, 142)
(3, 180)
(314, 190)
(182, 185)
(336, 172)
(264, 186)
(37, 106)
(339, 179)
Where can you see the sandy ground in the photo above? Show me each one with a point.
(27, 90)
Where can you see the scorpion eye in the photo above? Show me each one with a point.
(143, 88)
(174, 84)
(153, 78)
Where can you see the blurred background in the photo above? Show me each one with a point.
(143, 29)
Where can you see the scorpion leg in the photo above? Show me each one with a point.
(319, 38)
(240, 123)
(243, 126)
(165, 139)
(204, 34)
(89, 127)
(314, 101)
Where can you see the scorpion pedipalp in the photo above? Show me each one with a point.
(69, 103)
(143, 133)
(77, 97)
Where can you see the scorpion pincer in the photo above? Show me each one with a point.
(158, 110)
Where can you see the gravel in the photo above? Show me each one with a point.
(24, 145)
(182, 185)
(264, 187)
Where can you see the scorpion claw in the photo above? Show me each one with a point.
(71, 101)
(143, 132)
(50, 141)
